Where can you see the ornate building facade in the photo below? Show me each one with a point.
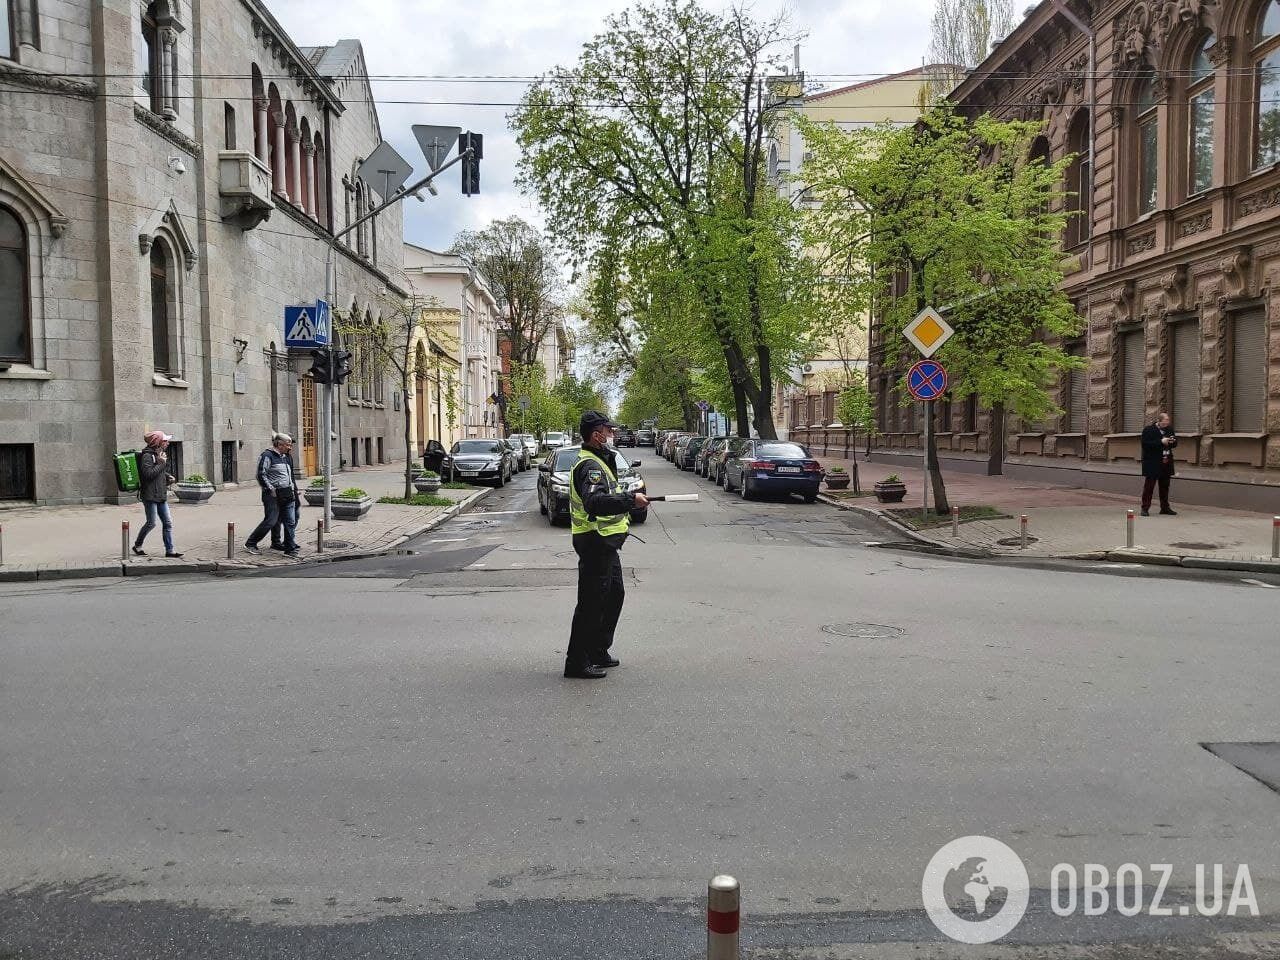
(1174, 259)
(167, 187)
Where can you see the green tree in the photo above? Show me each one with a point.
(951, 213)
(545, 410)
(577, 396)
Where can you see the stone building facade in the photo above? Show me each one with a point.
(1174, 260)
(171, 177)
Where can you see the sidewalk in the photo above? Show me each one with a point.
(1072, 522)
(52, 542)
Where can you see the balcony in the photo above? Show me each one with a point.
(244, 184)
(477, 349)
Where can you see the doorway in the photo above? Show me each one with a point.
(309, 452)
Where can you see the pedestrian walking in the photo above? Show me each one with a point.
(153, 472)
(600, 517)
(280, 498)
(1158, 441)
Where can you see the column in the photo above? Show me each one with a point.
(263, 152)
(277, 173)
(313, 179)
(295, 168)
(168, 82)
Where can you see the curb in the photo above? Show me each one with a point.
(925, 544)
(83, 571)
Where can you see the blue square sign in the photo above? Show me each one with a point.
(307, 326)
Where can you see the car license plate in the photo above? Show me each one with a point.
(469, 473)
(788, 469)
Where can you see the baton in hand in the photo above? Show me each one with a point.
(675, 498)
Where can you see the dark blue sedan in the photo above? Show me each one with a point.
(772, 466)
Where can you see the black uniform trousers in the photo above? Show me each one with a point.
(600, 596)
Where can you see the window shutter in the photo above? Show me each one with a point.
(1079, 399)
(1186, 377)
(1134, 402)
(1248, 372)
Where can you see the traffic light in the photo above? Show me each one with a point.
(471, 165)
(321, 370)
(341, 365)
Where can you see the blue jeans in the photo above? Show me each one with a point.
(276, 512)
(161, 510)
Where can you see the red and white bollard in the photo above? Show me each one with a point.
(723, 906)
(124, 539)
(955, 522)
(1275, 539)
(1023, 545)
(1128, 529)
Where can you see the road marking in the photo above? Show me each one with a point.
(475, 565)
(451, 540)
(497, 513)
(1259, 583)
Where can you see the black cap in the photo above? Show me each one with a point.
(592, 421)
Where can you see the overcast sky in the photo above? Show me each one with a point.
(847, 40)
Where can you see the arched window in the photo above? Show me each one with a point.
(1148, 143)
(1079, 181)
(150, 66)
(1200, 107)
(1266, 58)
(8, 45)
(160, 313)
(15, 311)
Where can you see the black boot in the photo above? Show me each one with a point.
(585, 671)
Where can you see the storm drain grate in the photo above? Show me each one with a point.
(337, 544)
(1194, 545)
(1015, 541)
(863, 631)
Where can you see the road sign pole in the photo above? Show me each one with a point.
(928, 431)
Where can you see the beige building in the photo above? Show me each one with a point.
(448, 280)
(895, 99)
(167, 188)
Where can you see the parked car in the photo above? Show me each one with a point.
(623, 437)
(715, 465)
(554, 441)
(704, 455)
(554, 475)
(530, 443)
(644, 438)
(685, 456)
(669, 447)
(487, 459)
(524, 460)
(772, 466)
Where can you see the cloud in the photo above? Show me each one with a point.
(846, 41)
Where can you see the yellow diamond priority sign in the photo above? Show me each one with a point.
(928, 332)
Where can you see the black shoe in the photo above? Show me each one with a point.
(1169, 513)
(253, 548)
(1146, 513)
(606, 661)
(585, 672)
(294, 552)
(277, 546)
(173, 556)
(138, 551)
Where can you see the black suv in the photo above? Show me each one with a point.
(623, 437)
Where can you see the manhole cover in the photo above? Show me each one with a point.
(1192, 545)
(863, 631)
(1016, 541)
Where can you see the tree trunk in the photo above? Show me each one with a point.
(687, 409)
(940, 504)
(995, 446)
(408, 454)
(740, 410)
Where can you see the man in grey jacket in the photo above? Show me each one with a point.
(279, 496)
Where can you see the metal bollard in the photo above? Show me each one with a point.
(723, 906)
(1, 544)
(1275, 540)
(1023, 545)
(231, 541)
(1128, 529)
(955, 521)
(124, 539)
(319, 536)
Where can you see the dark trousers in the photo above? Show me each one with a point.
(276, 513)
(600, 596)
(1149, 486)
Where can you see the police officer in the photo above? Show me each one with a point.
(600, 515)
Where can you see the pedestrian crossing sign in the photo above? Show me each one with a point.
(307, 326)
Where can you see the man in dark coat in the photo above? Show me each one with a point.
(1158, 441)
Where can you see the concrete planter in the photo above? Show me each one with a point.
(837, 481)
(193, 493)
(426, 484)
(315, 495)
(347, 508)
(890, 492)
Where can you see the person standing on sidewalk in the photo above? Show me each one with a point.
(279, 497)
(600, 515)
(1158, 441)
(153, 471)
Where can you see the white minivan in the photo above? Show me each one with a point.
(554, 441)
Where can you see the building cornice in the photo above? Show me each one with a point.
(158, 124)
(285, 53)
(11, 72)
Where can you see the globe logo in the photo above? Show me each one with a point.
(975, 890)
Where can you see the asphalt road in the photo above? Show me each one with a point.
(381, 759)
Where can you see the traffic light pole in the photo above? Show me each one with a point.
(330, 294)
